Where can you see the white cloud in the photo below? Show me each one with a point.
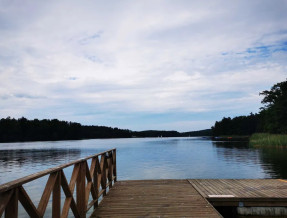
(143, 56)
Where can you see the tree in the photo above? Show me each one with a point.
(274, 111)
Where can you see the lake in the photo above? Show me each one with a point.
(145, 158)
(149, 158)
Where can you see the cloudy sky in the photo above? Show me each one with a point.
(147, 64)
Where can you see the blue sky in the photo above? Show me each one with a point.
(140, 65)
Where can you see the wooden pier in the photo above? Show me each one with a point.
(154, 198)
(189, 198)
(99, 192)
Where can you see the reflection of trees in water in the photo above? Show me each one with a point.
(27, 159)
(230, 144)
(237, 152)
(37, 156)
(274, 161)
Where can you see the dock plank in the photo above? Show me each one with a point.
(153, 198)
(250, 192)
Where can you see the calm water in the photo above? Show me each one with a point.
(147, 158)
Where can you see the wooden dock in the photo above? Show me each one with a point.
(189, 198)
(154, 198)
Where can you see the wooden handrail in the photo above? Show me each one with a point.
(95, 180)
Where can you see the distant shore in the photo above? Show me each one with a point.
(24, 130)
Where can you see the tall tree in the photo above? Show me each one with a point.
(274, 112)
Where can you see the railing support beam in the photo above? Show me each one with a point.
(12, 207)
(81, 191)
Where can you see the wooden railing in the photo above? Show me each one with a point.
(95, 180)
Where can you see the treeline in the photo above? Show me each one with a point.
(204, 132)
(15, 130)
(241, 125)
(156, 133)
(12, 130)
(272, 117)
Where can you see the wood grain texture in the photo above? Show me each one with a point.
(56, 202)
(46, 194)
(153, 198)
(251, 192)
(27, 203)
(80, 190)
(4, 200)
(12, 207)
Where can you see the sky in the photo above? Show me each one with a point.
(139, 65)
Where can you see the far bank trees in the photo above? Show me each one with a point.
(272, 117)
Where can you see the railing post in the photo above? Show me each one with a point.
(81, 190)
(95, 183)
(12, 207)
(115, 164)
(103, 174)
(110, 169)
(56, 203)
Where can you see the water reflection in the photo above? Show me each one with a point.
(149, 158)
(238, 152)
(15, 163)
(274, 161)
(230, 144)
(37, 156)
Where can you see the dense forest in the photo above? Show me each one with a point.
(156, 133)
(14, 130)
(204, 132)
(272, 117)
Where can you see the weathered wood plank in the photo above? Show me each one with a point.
(56, 203)
(69, 201)
(115, 164)
(12, 207)
(4, 200)
(47, 193)
(81, 184)
(252, 192)
(27, 203)
(154, 198)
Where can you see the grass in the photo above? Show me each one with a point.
(268, 140)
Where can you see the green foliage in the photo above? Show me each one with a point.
(267, 140)
(204, 132)
(12, 130)
(274, 112)
(271, 119)
(156, 133)
(241, 125)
